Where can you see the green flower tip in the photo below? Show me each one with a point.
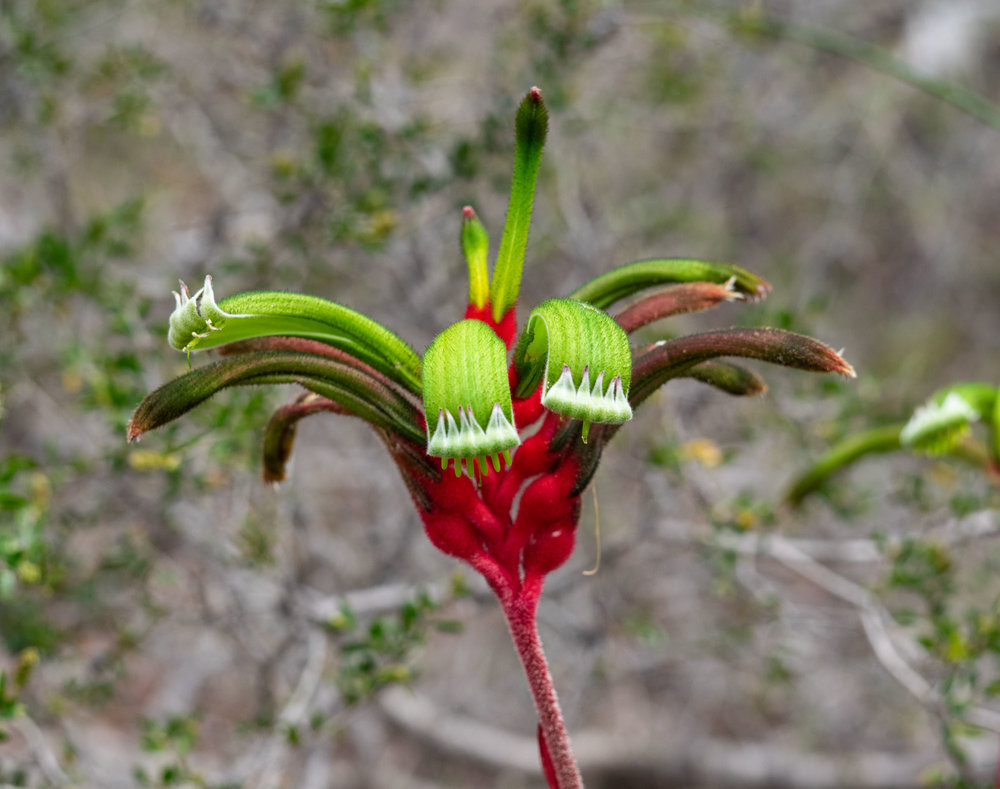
(194, 317)
(532, 122)
(937, 427)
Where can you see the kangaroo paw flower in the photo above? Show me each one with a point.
(582, 358)
(467, 399)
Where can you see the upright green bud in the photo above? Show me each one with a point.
(476, 247)
(583, 358)
(467, 399)
(530, 129)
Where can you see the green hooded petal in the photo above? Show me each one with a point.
(466, 394)
(583, 359)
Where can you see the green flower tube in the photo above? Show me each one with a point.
(200, 322)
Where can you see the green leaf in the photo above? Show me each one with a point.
(624, 281)
(354, 389)
(583, 358)
(199, 322)
(467, 395)
(530, 128)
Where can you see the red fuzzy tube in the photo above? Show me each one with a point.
(506, 329)
(547, 499)
(549, 550)
(452, 534)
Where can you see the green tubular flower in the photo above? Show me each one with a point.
(624, 281)
(467, 396)
(583, 358)
(198, 322)
(946, 418)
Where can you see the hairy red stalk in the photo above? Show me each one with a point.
(558, 761)
(675, 300)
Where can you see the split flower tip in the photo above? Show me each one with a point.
(597, 403)
(824, 358)
(465, 439)
(133, 432)
(194, 316)
(841, 365)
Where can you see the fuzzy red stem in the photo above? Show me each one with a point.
(520, 612)
(547, 769)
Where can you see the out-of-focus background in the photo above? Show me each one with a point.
(168, 620)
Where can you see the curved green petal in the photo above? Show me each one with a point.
(357, 391)
(624, 281)
(279, 435)
(467, 395)
(199, 322)
(583, 358)
(669, 359)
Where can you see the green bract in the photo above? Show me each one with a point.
(467, 399)
(583, 358)
(199, 322)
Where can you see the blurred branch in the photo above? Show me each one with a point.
(879, 59)
(269, 759)
(980, 525)
(657, 761)
(40, 749)
(320, 608)
(873, 619)
(755, 23)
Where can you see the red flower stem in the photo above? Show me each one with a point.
(520, 611)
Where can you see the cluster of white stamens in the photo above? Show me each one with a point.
(590, 403)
